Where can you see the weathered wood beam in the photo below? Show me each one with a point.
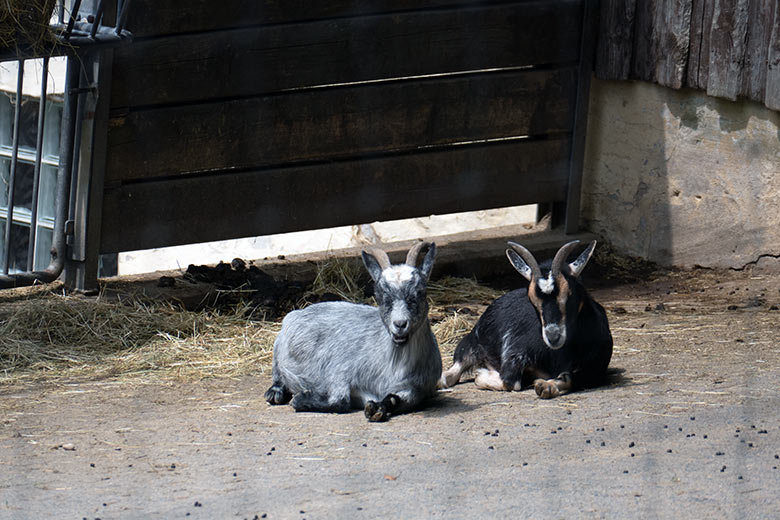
(616, 39)
(188, 210)
(330, 124)
(662, 41)
(699, 48)
(761, 14)
(728, 38)
(151, 18)
(772, 90)
(254, 61)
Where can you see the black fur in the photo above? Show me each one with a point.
(278, 394)
(313, 402)
(525, 356)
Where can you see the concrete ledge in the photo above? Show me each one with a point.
(478, 254)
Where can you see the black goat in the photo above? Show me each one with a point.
(552, 334)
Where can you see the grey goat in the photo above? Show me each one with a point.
(338, 356)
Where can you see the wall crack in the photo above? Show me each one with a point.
(755, 262)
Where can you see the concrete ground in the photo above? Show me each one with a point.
(689, 425)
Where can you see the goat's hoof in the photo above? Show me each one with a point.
(376, 412)
(391, 402)
(277, 394)
(546, 389)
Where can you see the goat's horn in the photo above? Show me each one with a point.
(528, 258)
(414, 252)
(561, 256)
(381, 257)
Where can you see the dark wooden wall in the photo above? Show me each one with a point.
(729, 48)
(249, 117)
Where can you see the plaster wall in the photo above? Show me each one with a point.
(681, 178)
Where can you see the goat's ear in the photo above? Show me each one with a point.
(372, 264)
(519, 264)
(576, 267)
(427, 264)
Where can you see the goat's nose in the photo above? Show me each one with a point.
(400, 324)
(553, 333)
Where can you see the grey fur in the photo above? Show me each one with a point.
(338, 356)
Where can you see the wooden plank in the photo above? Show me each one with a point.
(255, 61)
(662, 41)
(699, 48)
(644, 51)
(761, 14)
(328, 124)
(727, 48)
(148, 18)
(199, 209)
(588, 46)
(772, 92)
(673, 26)
(615, 39)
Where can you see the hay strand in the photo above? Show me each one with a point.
(58, 338)
(51, 337)
(25, 24)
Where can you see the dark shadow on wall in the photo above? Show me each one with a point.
(625, 180)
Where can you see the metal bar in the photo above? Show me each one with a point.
(96, 20)
(81, 268)
(12, 176)
(75, 41)
(62, 201)
(122, 20)
(78, 90)
(61, 13)
(73, 16)
(67, 151)
(31, 246)
(106, 36)
(590, 18)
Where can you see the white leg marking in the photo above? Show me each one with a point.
(489, 379)
(451, 376)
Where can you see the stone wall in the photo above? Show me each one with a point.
(681, 178)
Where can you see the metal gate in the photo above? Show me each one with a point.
(82, 37)
(281, 115)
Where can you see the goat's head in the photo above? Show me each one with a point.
(400, 290)
(554, 288)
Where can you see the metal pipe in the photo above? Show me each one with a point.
(31, 246)
(62, 201)
(120, 23)
(96, 20)
(73, 16)
(80, 88)
(9, 219)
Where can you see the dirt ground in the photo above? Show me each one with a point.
(689, 425)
